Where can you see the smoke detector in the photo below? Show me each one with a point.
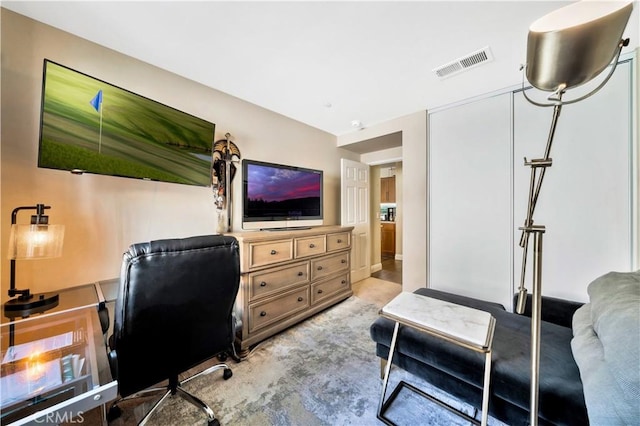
(464, 63)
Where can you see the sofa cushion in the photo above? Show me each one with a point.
(606, 346)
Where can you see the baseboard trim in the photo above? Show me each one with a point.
(377, 267)
(398, 257)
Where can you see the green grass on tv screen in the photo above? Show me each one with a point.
(123, 135)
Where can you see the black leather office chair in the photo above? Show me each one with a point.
(174, 311)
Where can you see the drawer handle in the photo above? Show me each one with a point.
(312, 245)
(263, 314)
(343, 261)
(263, 284)
(320, 291)
(344, 281)
(339, 240)
(274, 252)
(300, 299)
(300, 273)
(319, 268)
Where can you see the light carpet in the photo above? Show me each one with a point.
(323, 371)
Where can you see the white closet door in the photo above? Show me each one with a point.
(470, 225)
(585, 201)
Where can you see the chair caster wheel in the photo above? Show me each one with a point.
(214, 422)
(227, 374)
(222, 356)
(113, 413)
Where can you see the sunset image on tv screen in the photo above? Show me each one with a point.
(273, 191)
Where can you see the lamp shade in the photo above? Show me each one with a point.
(572, 45)
(35, 241)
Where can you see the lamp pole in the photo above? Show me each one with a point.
(535, 184)
(538, 170)
(529, 228)
(565, 48)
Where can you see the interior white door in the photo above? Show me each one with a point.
(355, 185)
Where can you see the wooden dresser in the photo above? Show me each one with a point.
(287, 276)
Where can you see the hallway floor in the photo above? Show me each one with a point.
(391, 271)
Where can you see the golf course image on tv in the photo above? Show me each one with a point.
(90, 126)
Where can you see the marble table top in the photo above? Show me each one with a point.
(460, 323)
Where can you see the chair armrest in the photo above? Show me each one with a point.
(554, 310)
(103, 314)
(112, 357)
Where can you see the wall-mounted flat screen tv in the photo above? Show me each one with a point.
(90, 126)
(278, 196)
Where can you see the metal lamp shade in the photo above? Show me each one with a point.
(572, 45)
(35, 241)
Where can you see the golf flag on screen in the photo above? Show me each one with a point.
(97, 101)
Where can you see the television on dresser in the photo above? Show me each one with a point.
(279, 196)
(90, 126)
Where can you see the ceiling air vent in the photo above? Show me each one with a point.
(466, 62)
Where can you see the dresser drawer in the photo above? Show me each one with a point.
(325, 289)
(329, 265)
(270, 252)
(310, 246)
(338, 241)
(267, 282)
(266, 313)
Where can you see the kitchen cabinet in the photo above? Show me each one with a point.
(388, 239)
(388, 189)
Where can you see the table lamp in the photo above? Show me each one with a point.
(567, 48)
(38, 240)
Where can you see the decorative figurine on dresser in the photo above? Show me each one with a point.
(225, 154)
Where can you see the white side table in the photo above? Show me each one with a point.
(461, 325)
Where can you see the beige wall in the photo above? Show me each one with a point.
(636, 105)
(102, 214)
(374, 201)
(400, 210)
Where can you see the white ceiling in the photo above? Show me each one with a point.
(325, 64)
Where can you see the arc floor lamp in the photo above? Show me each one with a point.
(565, 49)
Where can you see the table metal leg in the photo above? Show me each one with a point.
(387, 369)
(485, 390)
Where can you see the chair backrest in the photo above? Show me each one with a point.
(174, 307)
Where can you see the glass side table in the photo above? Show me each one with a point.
(54, 363)
(467, 327)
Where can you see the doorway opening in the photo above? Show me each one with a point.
(383, 155)
(388, 211)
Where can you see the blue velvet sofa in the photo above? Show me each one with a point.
(561, 393)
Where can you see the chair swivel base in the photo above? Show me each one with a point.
(174, 388)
